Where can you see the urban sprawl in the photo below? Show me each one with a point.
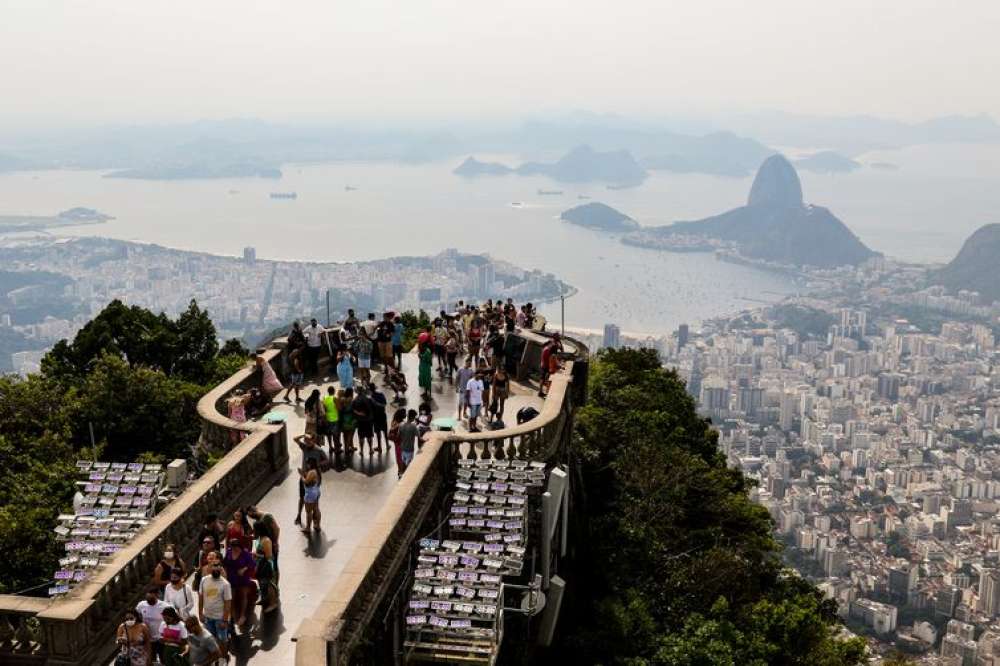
(875, 444)
(246, 297)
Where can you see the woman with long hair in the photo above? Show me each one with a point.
(239, 528)
(397, 420)
(270, 385)
(311, 479)
(501, 389)
(424, 374)
(345, 369)
(135, 640)
(313, 413)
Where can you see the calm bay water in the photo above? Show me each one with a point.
(922, 212)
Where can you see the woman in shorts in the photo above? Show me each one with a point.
(311, 479)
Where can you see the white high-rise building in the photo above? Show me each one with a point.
(612, 336)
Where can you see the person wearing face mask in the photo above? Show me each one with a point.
(151, 611)
(216, 603)
(171, 560)
(135, 641)
(179, 594)
(173, 636)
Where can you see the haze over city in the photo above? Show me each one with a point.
(75, 63)
(525, 332)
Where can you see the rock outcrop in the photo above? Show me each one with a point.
(974, 268)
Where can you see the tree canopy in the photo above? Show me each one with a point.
(136, 378)
(675, 564)
(183, 347)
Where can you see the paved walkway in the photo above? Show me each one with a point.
(353, 492)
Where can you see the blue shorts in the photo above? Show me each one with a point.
(474, 411)
(217, 629)
(407, 457)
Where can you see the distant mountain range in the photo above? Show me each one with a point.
(211, 147)
(198, 170)
(655, 148)
(974, 268)
(582, 164)
(854, 135)
(205, 148)
(472, 167)
(775, 225)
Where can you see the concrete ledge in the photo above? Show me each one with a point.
(328, 619)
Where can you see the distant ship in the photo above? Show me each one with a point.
(284, 195)
(583, 196)
(549, 193)
(516, 204)
(234, 191)
(618, 187)
(348, 188)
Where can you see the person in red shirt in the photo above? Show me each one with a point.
(550, 362)
(425, 338)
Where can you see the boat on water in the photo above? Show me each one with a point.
(284, 195)
(517, 204)
(549, 193)
(348, 188)
(583, 196)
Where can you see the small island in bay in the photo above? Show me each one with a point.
(599, 216)
(67, 218)
(827, 161)
(473, 167)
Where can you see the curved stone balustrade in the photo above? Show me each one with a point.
(79, 628)
(216, 424)
(21, 642)
(336, 629)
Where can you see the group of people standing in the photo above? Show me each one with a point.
(478, 335)
(191, 623)
(236, 567)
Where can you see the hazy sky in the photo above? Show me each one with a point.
(82, 61)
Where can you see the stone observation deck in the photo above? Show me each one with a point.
(340, 599)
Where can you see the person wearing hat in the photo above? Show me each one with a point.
(239, 567)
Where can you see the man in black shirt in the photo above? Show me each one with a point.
(383, 339)
(364, 417)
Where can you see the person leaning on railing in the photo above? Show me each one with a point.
(550, 362)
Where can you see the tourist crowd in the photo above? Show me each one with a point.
(190, 613)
